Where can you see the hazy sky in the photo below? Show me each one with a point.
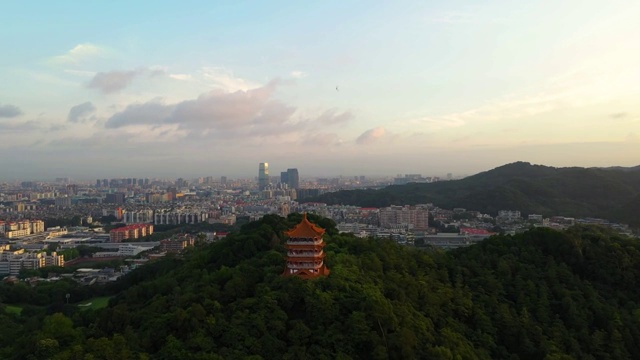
(197, 88)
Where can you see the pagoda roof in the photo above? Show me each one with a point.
(306, 229)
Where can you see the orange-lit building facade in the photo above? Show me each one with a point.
(133, 231)
(305, 254)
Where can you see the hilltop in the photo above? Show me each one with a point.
(541, 294)
(611, 193)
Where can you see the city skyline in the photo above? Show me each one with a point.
(96, 90)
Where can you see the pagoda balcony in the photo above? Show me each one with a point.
(297, 241)
(305, 243)
(307, 254)
(305, 258)
(310, 266)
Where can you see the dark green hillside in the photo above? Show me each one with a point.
(539, 295)
(577, 192)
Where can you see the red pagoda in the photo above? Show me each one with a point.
(305, 257)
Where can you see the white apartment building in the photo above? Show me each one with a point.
(509, 215)
(137, 216)
(11, 262)
(409, 217)
(181, 216)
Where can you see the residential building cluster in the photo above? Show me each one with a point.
(13, 261)
(20, 228)
(177, 243)
(129, 232)
(155, 202)
(407, 217)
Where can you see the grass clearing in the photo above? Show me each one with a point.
(96, 303)
(12, 309)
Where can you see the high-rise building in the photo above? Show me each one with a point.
(263, 176)
(284, 177)
(115, 198)
(293, 179)
(411, 217)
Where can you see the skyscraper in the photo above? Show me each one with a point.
(115, 198)
(284, 178)
(263, 176)
(293, 179)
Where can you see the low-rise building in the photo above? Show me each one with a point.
(177, 244)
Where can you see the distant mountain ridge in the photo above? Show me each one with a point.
(610, 193)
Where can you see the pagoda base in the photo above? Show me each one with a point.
(308, 273)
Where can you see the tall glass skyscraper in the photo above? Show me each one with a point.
(293, 179)
(263, 175)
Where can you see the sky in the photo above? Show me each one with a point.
(210, 88)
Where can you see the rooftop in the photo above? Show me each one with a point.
(306, 229)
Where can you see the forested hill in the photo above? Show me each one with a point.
(612, 193)
(539, 295)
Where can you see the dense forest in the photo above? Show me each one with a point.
(611, 193)
(542, 294)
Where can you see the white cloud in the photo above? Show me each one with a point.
(226, 80)
(224, 116)
(372, 136)
(79, 53)
(297, 74)
(183, 77)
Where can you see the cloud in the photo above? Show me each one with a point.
(182, 77)
(213, 110)
(297, 74)
(371, 136)
(331, 117)
(80, 73)
(322, 139)
(508, 107)
(18, 127)
(80, 113)
(155, 71)
(57, 127)
(78, 54)
(9, 111)
(225, 79)
(148, 113)
(252, 114)
(113, 81)
(436, 123)
(619, 115)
